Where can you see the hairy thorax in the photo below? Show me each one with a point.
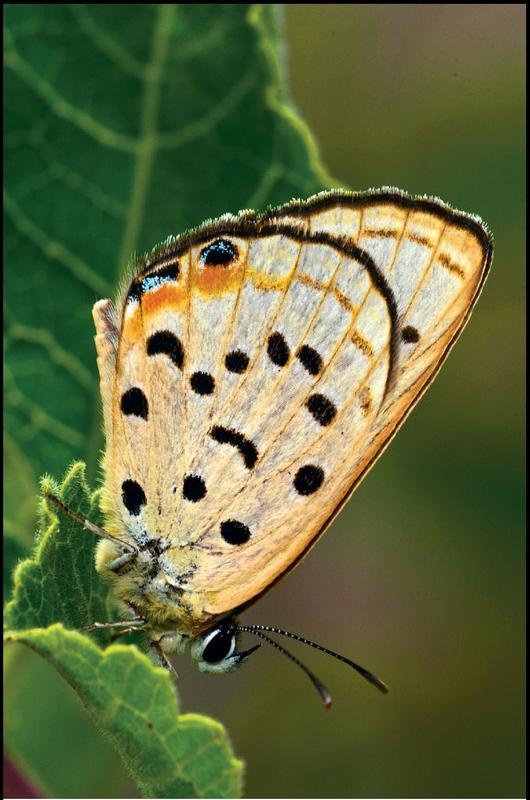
(155, 588)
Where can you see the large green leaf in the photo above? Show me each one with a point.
(123, 124)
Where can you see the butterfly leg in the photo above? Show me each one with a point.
(134, 624)
(116, 564)
(123, 632)
(160, 658)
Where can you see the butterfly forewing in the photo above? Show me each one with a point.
(263, 364)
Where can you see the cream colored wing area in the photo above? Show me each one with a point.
(106, 320)
(215, 296)
(149, 405)
(283, 512)
(434, 264)
(405, 238)
(320, 366)
(319, 344)
(272, 262)
(106, 340)
(222, 466)
(289, 499)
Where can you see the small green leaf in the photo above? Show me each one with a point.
(59, 583)
(131, 701)
(135, 706)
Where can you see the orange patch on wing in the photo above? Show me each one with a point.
(218, 279)
(446, 262)
(365, 400)
(264, 280)
(362, 343)
(168, 295)
(132, 325)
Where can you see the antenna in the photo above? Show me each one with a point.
(257, 630)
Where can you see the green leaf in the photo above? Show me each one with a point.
(59, 583)
(131, 701)
(124, 124)
(51, 738)
(135, 706)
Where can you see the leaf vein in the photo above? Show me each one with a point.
(66, 110)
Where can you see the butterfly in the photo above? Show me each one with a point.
(252, 371)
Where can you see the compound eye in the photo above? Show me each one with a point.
(219, 645)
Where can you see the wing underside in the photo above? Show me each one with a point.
(263, 364)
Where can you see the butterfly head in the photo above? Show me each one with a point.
(216, 650)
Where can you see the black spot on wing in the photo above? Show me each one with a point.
(133, 497)
(219, 253)
(134, 402)
(321, 408)
(236, 361)
(278, 349)
(410, 334)
(308, 479)
(310, 359)
(234, 532)
(167, 343)
(246, 447)
(194, 488)
(202, 383)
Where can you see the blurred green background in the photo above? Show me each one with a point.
(422, 576)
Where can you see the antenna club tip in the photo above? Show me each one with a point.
(375, 681)
(328, 703)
